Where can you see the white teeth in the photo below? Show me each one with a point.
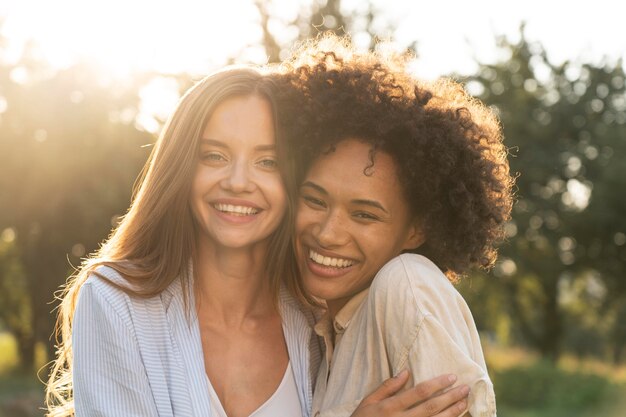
(328, 261)
(236, 210)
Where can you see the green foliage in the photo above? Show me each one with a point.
(366, 22)
(21, 395)
(69, 154)
(543, 385)
(16, 311)
(8, 352)
(565, 126)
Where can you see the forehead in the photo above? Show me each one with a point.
(243, 118)
(353, 167)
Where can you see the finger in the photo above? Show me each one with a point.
(387, 389)
(456, 410)
(450, 403)
(422, 391)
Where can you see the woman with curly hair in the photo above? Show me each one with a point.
(404, 186)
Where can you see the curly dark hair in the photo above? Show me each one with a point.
(452, 163)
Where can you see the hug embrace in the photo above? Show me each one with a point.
(290, 251)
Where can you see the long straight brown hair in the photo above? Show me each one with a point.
(155, 241)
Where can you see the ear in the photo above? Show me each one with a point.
(415, 236)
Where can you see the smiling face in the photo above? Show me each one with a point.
(350, 224)
(237, 196)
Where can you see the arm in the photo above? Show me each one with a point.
(444, 338)
(108, 374)
(445, 356)
(424, 400)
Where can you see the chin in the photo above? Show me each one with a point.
(321, 292)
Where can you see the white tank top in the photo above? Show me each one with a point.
(284, 402)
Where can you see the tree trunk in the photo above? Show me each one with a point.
(618, 350)
(553, 327)
(618, 333)
(544, 335)
(25, 351)
(46, 269)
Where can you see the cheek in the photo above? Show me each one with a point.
(195, 192)
(270, 185)
(197, 183)
(377, 246)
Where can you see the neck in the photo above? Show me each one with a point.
(231, 284)
(335, 306)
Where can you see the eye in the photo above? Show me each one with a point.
(364, 215)
(313, 202)
(212, 157)
(269, 163)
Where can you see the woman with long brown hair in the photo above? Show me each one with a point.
(193, 272)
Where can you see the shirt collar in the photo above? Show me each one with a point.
(345, 315)
(343, 318)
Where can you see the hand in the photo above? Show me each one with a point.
(424, 400)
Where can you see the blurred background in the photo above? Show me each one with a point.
(86, 86)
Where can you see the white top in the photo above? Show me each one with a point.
(411, 318)
(142, 357)
(283, 403)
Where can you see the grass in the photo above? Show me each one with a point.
(21, 393)
(613, 406)
(527, 386)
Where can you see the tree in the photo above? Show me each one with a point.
(363, 21)
(69, 154)
(565, 126)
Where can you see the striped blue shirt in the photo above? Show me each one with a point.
(143, 356)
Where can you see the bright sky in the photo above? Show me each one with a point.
(198, 35)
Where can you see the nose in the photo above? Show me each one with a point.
(237, 178)
(331, 231)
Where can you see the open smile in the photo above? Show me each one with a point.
(235, 210)
(329, 261)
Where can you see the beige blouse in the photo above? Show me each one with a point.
(411, 317)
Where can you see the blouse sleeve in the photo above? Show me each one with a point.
(429, 329)
(108, 374)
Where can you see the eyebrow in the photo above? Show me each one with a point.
(315, 187)
(213, 142)
(322, 190)
(220, 144)
(372, 203)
